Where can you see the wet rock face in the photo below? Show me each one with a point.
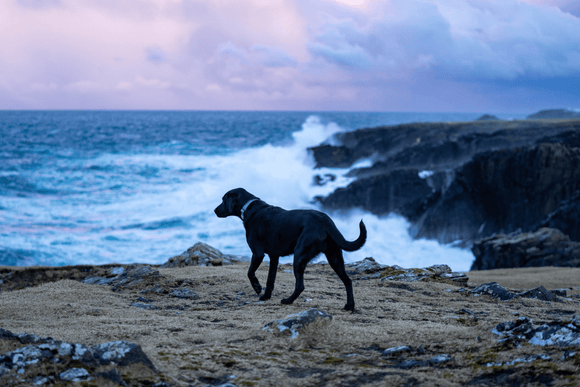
(48, 361)
(545, 247)
(398, 191)
(566, 218)
(503, 191)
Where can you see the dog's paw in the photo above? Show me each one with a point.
(287, 301)
(349, 307)
(265, 297)
(257, 287)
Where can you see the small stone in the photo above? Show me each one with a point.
(397, 350)
(75, 375)
(411, 364)
(292, 324)
(440, 359)
(184, 293)
(143, 306)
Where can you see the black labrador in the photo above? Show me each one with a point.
(278, 233)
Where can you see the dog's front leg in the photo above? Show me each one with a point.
(256, 261)
(271, 279)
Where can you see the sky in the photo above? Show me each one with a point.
(489, 56)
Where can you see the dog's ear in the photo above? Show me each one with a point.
(231, 201)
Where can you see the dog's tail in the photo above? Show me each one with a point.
(346, 245)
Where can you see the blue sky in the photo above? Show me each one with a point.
(349, 55)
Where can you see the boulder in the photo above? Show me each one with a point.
(545, 247)
(200, 254)
(294, 323)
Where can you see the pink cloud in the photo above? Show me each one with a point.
(284, 54)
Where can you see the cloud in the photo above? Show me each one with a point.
(273, 57)
(470, 39)
(287, 54)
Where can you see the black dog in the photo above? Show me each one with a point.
(277, 232)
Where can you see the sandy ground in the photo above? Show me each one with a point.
(218, 337)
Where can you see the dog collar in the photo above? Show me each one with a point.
(245, 207)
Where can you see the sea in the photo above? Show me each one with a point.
(99, 187)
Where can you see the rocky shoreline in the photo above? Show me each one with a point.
(463, 182)
(195, 321)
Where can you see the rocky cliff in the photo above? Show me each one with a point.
(463, 181)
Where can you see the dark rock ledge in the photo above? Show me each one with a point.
(545, 247)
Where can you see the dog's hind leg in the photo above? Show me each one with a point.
(336, 261)
(271, 278)
(257, 259)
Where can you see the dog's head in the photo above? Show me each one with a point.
(232, 202)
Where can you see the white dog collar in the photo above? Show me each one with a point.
(245, 207)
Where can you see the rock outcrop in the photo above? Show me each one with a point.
(201, 254)
(555, 114)
(503, 191)
(463, 181)
(487, 117)
(565, 333)
(545, 247)
(368, 268)
(45, 361)
(495, 290)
